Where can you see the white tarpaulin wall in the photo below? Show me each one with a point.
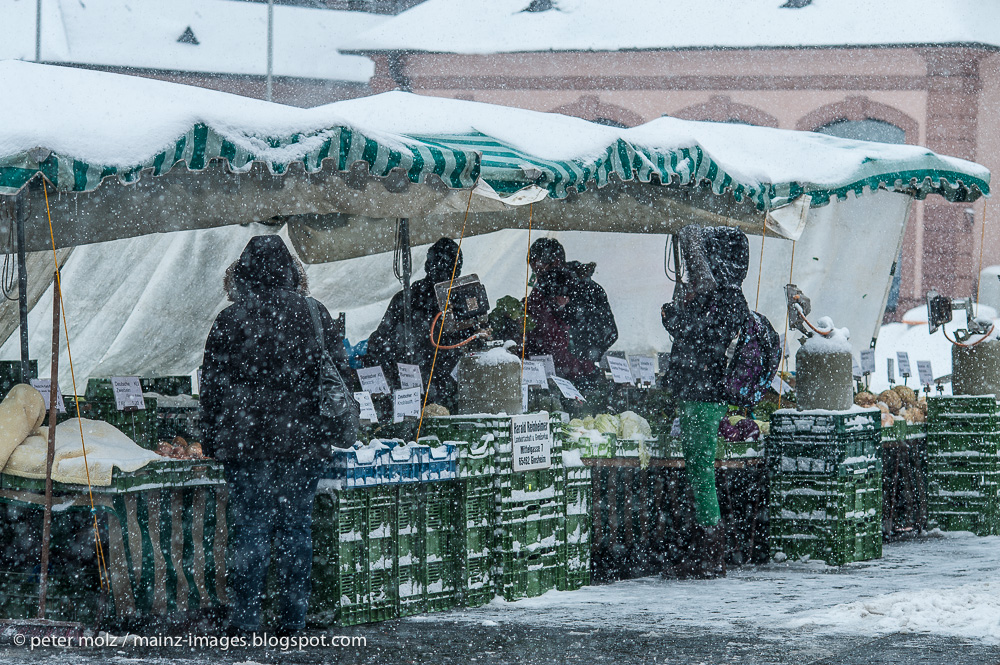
(144, 306)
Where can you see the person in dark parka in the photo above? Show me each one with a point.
(387, 345)
(710, 312)
(260, 417)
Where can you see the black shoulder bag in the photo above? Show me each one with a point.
(337, 406)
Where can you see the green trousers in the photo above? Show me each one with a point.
(700, 436)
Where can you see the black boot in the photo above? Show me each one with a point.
(704, 555)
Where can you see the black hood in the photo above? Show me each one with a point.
(265, 265)
(728, 253)
(441, 260)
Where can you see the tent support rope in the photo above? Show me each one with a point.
(102, 567)
(444, 313)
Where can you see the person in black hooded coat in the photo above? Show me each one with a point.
(387, 345)
(710, 312)
(260, 417)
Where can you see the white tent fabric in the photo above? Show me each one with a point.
(144, 306)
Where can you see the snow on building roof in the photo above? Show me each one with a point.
(504, 26)
(205, 36)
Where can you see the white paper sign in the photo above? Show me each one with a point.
(550, 364)
(904, 363)
(44, 386)
(364, 400)
(524, 396)
(644, 368)
(409, 376)
(620, 371)
(405, 403)
(868, 361)
(924, 372)
(891, 370)
(531, 441)
(567, 388)
(373, 380)
(779, 385)
(534, 373)
(128, 393)
(855, 367)
(454, 372)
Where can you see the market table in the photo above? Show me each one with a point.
(641, 516)
(163, 533)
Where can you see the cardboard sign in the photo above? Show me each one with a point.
(904, 363)
(44, 386)
(534, 374)
(405, 403)
(643, 368)
(620, 371)
(550, 364)
(868, 361)
(924, 372)
(409, 376)
(364, 400)
(524, 397)
(891, 370)
(128, 393)
(568, 389)
(373, 380)
(531, 441)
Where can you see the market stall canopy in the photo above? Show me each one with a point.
(125, 156)
(653, 178)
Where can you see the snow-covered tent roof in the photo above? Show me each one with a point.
(507, 26)
(140, 156)
(225, 37)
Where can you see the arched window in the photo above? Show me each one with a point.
(880, 131)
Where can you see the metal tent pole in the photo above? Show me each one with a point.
(406, 269)
(270, 46)
(20, 215)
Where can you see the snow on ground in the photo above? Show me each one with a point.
(944, 585)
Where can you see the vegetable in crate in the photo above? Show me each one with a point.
(606, 424)
(906, 395)
(633, 426)
(865, 399)
(738, 428)
(891, 399)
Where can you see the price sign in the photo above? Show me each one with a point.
(904, 363)
(531, 441)
(779, 385)
(454, 372)
(891, 370)
(405, 403)
(373, 380)
(620, 371)
(128, 393)
(868, 361)
(643, 368)
(534, 373)
(550, 365)
(924, 372)
(524, 397)
(855, 367)
(568, 389)
(364, 400)
(44, 386)
(409, 376)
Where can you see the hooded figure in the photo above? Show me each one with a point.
(260, 417)
(703, 322)
(387, 345)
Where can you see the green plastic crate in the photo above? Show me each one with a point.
(167, 385)
(531, 529)
(10, 374)
(475, 531)
(475, 439)
(476, 586)
(529, 576)
(140, 426)
(574, 570)
(815, 424)
(959, 443)
(381, 542)
(411, 565)
(814, 497)
(847, 543)
(442, 590)
(341, 592)
(938, 406)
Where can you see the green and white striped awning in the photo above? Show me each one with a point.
(918, 173)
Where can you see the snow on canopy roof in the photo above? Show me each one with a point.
(78, 127)
(503, 26)
(768, 166)
(232, 36)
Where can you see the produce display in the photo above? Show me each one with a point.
(899, 403)
(178, 448)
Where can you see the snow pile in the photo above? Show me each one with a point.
(496, 356)
(836, 340)
(970, 611)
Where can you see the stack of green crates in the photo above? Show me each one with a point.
(963, 464)
(825, 485)
(576, 528)
(341, 592)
